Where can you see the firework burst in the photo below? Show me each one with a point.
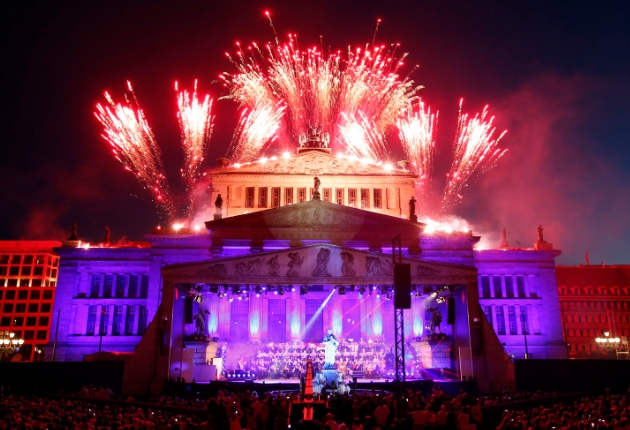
(127, 130)
(476, 152)
(256, 129)
(417, 135)
(195, 124)
(362, 138)
(329, 92)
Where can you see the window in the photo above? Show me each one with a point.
(108, 285)
(487, 310)
(26, 270)
(352, 197)
(47, 295)
(144, 287)
(20, 308)
(5, 321)
(3, 271)
(38, 271)
(41, 334)
(275, 197)
(4, 259)
(262, 197)
(29, 335)
(142, 320)
(45, 307)
(31, 321)
(104, 321)
(28, 259)
(509, 287)
(496, 281)
(10, 295)
(118, 319)
(327, 194)
(14, 271)
(133, 286)
(485, 288)
(512, 320)
(43, 321)
(500, 320)
(288, 196)
(23, 282)
(22, 295)
(18, 322)
(121, 281)
(301, 195)
(315, 327)
(7, 308)
(40, 260)
(339, 197)
(16, 259)
(524, 320)
(277, 320)
(91, 320)
(249, 197)
(35, 295)
(378, 198)
(365, 198)
(131, 311)
(520, 287)
(95, 286)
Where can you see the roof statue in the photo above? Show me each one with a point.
(314, 138)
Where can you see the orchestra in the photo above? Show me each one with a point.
(288, 360)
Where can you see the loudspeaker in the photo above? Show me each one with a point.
(188, 314)
(451, 310)
(402, 286)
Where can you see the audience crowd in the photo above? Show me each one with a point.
(91, 408)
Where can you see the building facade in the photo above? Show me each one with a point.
(286, 257)
(28, 282)
(595, 303)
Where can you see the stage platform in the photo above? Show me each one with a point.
(425, 386)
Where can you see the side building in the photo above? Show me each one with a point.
(595, 303)
(28, 283)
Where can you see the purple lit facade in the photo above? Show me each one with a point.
(284, 275)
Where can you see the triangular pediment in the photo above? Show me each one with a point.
(315, 264)
(312, 162)
(316, 215)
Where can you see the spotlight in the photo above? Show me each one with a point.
(280, 290)
(341, 290)
(362, 289)
(257, 290)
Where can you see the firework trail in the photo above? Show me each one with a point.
(195, 124)
(321, 91)
(362, 138)
(417, 135)
(475, 153)
(126, 128)
(255, 130)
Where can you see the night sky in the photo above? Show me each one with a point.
(555, 74)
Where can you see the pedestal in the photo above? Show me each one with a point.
(435, 354)
(330, 375)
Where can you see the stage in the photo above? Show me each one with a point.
(287, 386)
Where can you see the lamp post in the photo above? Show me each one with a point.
(9, 344)
(524, 329)
(607, 342)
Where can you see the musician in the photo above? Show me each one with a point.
(330, 344)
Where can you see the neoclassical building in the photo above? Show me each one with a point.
(286, 257)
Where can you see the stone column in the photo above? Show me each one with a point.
(417, 316)
(224, 318)
(255, 317)
(377, 314)
(295, 328)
